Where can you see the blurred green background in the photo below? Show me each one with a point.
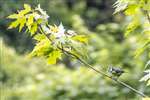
(32, 79)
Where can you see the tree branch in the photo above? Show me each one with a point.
(98, 71)
(106, 75)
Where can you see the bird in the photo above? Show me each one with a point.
(116, 71)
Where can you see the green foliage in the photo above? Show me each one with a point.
(51, 39)
(146, 77)
(32, 79)
(138, 10)
(54, 56)
(107, 46)
(80, 38)
(20, 18)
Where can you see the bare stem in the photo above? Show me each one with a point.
(148, 17)
(98, 71)
(147, 13)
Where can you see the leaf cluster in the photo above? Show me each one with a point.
(138, 12)
(51, 40)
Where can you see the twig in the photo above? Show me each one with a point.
(147, 13)
(148, 17)
(98, 71)
(106, 75)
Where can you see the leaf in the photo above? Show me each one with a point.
(33, 28)
(25, 11)
(142, 49)
(132, 26)
(147, 5)
(120, 5)
(148, 83)
(146, 77)
(147, 64)
(44, 14)
(39, 37)
(39, 21)
(42, 48)
(13, 16)
(22, 22)
(30, 20)
(27, 7)
(132, 9)
(13, 24)
(147, 98)
(80, 38)
(53, 56)
(147, 33)
(79, 50)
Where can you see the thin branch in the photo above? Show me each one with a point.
(148, 16)
(147, 13)
(106, 75)
(98, 71)
(131, 88)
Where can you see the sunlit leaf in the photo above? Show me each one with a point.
(53, 56)
(132, 26)
(120, 5)
(147, 76)
(80, 38)
(132, 9)
(147, 64)
(26, 10)
(147, 98)
(30, 20)
(27, 7)
(13, 16)
(13, 24)
(22, 22)
(148, 83)
(39, 37)
(142, 49)
(33, 28)
(146, 6)
(42, 48)
(39, 21)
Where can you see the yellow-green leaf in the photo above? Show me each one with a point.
(13, 24)
(147, 5)
(132, 9)
(142, 49)
(25, 11)
(132, 26)
(39, 37)
(42, 48)
(22, 22)
(13, 16)
(53, 56)
(27, 7)
(80, 38)
(147, 98)
(33, 28)
(39, 21)
(30, 20)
